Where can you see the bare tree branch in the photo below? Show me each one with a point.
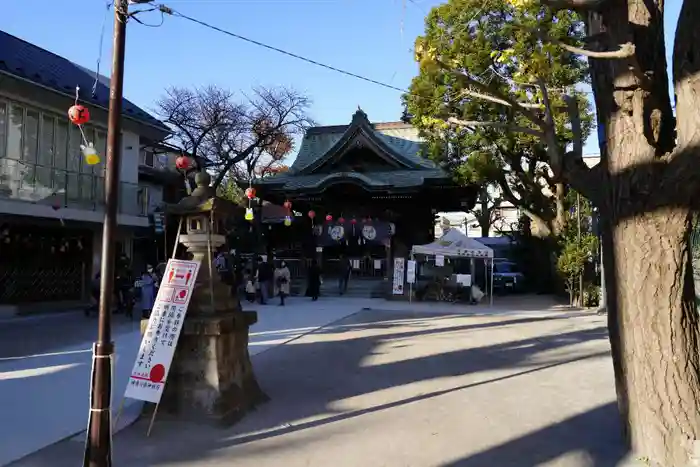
(626, 50)
(474, 124)
(490, 94)
(222, 133)
(496, 100)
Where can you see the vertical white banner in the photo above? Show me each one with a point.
(160, 339)
(411, 271)
(399, 270)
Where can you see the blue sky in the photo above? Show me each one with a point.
(368, 37)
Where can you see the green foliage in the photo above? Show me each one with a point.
(476, 48)
(230, 191)
(575, 253)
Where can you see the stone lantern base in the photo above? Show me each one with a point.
(211, 378)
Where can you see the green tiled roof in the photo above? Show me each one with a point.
(399, 140)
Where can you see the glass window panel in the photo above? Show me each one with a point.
(27, 181)
(86, 190)
(14, 133)
(59, 181)
(46, 148)
(101, 148)
(74, 154)
(61, 148)
(3, 126)
(90, 136)
(142, 200)
(31, 137)
(73, 187)
(100, 190)
(44, 179)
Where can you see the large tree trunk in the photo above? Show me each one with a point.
(653, 322)
(655, 332)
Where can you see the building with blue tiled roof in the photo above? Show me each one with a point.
(51, 201)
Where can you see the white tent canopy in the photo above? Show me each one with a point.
(454, 244)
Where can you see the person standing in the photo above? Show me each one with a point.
(149, 284)
(123, 283)
(282, 278)
(314, 277)
(265, 274)
(345, 269)
(249, 281)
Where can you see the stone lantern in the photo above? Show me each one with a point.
(211, 376)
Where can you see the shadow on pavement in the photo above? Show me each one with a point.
(307, 380)
(577, 436)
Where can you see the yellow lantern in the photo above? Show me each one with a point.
(91, 157)
(249, 214)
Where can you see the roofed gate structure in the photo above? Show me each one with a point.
(372, 180)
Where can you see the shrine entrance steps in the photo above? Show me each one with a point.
(357, 287)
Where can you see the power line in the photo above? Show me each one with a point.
(167, 10)
(285, 52)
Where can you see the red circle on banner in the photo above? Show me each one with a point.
(157, 373)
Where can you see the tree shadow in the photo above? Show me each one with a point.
(326, 378)
(577, 436)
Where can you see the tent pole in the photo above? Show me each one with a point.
(491, 304)
(410, 284)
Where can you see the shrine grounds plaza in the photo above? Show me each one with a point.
(524, 383)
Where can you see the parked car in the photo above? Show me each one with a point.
(507, 278)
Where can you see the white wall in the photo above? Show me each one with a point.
(129, 171)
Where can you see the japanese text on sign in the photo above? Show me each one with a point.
(399, 270)
(160, 339)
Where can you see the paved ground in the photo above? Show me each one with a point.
(415, 386)
(45, 367)
(34, 335)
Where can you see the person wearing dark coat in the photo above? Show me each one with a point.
(314, 277)
(265, 277)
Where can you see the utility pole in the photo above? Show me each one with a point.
(601, 301)
(98, 446)
(580, 274)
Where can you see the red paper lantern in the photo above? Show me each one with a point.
(341, 220)
(312, 214)
(79, 114)
(329, 218)
(353, 221)
(250, 193)
(287, 205)
(182, 163)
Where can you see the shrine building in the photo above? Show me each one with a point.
(362, 190)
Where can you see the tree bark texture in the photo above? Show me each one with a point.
(653, 321)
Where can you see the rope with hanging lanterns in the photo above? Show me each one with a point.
(288, 218)
(250, 194)
(79, 115)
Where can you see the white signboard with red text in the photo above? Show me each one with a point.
(160, 339)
